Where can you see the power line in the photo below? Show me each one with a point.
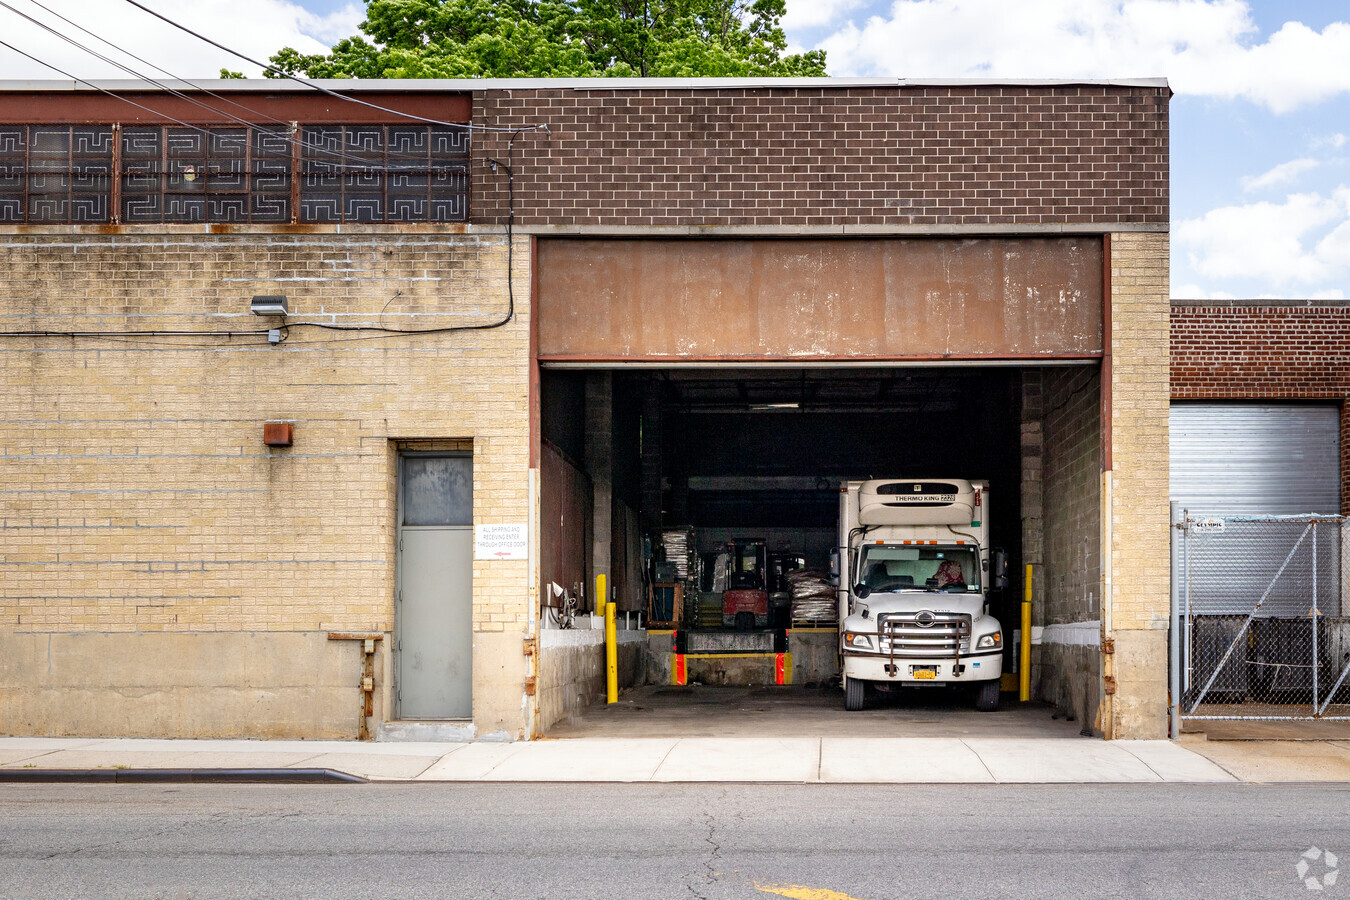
(58, 69)
(160, 69)
(508, 129)
(187, 125)
(345, 157)
(514, 132)
(372, 332)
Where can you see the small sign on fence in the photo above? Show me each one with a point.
(1208, 525)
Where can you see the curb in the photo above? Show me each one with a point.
(181, 776)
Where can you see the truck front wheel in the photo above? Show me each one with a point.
(986, 697)
(854, 694)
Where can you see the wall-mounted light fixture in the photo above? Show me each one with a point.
(269, 305)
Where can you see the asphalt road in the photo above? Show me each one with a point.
(809, 842)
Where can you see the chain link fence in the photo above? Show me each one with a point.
(1260, 617)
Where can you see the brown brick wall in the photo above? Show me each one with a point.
(1265, 353)
(903, 156)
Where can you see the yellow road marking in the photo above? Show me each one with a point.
(801, 892)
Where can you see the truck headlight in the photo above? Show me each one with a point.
(990, 641)
(858, 641)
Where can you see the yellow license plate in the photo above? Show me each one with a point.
(925, 673)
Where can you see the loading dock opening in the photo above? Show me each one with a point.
(719, 454)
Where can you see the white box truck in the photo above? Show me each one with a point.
(914, 570)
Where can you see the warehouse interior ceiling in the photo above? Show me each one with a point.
(813, 390)
(748, 448)
(756, 448)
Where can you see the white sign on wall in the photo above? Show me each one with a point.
(501, 542)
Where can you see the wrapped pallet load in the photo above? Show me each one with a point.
(814, 599)
(679, 548)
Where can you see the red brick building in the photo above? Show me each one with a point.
(1274, 351)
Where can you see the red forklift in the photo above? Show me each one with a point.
(745, 603)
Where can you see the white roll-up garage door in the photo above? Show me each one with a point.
(1254, 459)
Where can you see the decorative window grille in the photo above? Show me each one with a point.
(384, 173)
(216, 175)
(257, 174)
(56, 174)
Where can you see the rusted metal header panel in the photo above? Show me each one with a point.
(86, 107)
(772, 299)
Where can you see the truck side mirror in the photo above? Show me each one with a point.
(999, 577)
(861, 591)
(834, 567)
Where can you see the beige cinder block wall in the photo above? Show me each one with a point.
(1070, 648)
(1135, 490)
(165, 573)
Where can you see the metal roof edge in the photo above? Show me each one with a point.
(455, 85)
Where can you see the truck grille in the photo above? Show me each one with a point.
(925, 634)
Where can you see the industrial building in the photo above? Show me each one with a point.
(322, 413)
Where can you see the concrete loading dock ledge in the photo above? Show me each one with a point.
(981, 267)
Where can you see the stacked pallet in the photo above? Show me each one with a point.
(814, 599)
(681, 552)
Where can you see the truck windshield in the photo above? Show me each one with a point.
(886, 567)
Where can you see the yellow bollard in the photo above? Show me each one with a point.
(1024, 652)
(611, 655)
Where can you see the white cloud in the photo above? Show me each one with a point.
(256, 28)
(1203, 47)
(1335, 247)
(1271, 243)
(1281, 174)
(1196, 292)
(334, 26)
(816, 13)
(1336, 141)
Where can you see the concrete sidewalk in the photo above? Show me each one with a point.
(768, 760)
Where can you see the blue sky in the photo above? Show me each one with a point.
(1260, 119)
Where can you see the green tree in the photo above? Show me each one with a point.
(560, 38)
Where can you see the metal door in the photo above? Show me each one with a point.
(1256, 459)
(434, 655)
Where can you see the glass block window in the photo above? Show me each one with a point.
(212, 175)
(56, 174)
(153, 174)
(384, 173)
